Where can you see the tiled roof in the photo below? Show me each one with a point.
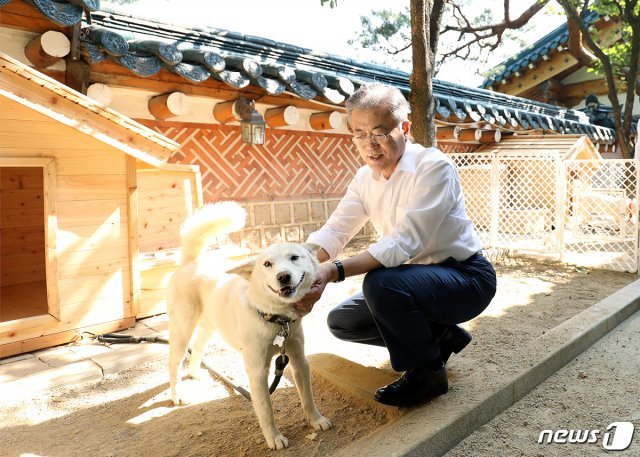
(196, 54)
(530, 55)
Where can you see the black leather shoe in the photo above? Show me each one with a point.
(453, 339)
(414, 386)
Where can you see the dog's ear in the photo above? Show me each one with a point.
(312, 247)
(244, 269)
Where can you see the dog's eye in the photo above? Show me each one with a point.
(267, 264)
(294, 258)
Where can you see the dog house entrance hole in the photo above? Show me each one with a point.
(23, 290)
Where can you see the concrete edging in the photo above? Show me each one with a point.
(436, 436)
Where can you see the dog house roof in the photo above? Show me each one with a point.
(146, 46)
(31, 88)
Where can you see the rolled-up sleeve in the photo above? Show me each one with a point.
(434, 194)
(343, 224)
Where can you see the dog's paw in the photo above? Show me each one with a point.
(179, 400)
(277, 442)
(321, 423)
(198, 373)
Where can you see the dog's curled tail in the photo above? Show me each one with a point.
(211, 220)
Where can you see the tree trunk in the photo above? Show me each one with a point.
(425, 28)
(624, 133)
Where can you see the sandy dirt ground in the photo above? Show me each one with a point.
(130, 414)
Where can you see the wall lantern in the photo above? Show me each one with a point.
(252, 123)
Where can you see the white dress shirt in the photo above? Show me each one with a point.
(418, 212)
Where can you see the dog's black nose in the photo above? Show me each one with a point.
(284, 277)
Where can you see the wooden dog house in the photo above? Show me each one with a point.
(84, 192)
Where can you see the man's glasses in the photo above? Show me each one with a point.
(361, 140)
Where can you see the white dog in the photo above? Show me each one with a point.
(251, 307)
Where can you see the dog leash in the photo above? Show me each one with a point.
(280, 362)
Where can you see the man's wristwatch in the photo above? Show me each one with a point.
(340, 268)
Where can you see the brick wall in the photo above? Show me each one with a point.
(289, 185)
(291, 164)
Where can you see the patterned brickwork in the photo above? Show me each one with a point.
(289, 165)
(289, 186)
(457, 148)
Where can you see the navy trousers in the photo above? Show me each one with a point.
(406, 308)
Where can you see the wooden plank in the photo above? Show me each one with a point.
(51, 233)
(92, 237)
(21, 259)
(105, 161)
(98, 310)
(16, 199)
(92, 187)
(11, 330)
(31, 341)
(20, 239)
(66, 139)
(22, 301)
(149, 180)
(20, 274)
(97, 121)
(154, 201)
(93, 213)
(133, 225)
(21, 217)
(17, 178)
(76, 264)
(76, 296)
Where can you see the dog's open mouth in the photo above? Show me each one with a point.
(287, 291)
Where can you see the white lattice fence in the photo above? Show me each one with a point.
(583, 211)
(601, 214)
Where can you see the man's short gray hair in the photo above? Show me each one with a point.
(374, 95)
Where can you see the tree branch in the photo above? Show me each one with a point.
(507, 23)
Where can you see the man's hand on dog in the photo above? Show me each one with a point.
(324, 275)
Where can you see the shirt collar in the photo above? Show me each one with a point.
(406, 163)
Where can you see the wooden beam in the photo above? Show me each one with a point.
(552, 90)
(557, 63)
(20, 15)
(100, 93)
(282, 116)
(326, 120)
(77, 75)
(169, 105)
(47, 49)
(488, 136)
(448, 132)
(210, 88)
(469, 135)
(225, 112)
(597, 87)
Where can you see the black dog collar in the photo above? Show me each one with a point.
(275, 318)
